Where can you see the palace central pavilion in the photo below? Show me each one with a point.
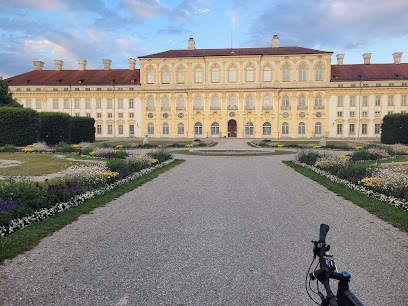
(271, 92)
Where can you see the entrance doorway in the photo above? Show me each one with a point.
(232, 128)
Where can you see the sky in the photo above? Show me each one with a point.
(69, 30)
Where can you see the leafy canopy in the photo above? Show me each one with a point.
(6, 98)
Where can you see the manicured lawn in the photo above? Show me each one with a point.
(382, 210)
(36, 164)
(25, 239)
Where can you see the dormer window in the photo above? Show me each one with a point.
(59, 81)
(132, 81)
(27, 81)
(335, 76)
(81, 81)
(112, 81)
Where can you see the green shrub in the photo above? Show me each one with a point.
(161, 155)
(361, 155)
(148, 145)
(61, 144)
(18, 126)
(83, 129)
(9, 148)
(86, 151)
(121, 154)
(308, 157)
(394, 129)
(118, 165)
(55, 127)
(67, 149)
(355, 171)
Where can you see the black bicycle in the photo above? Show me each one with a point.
(326, 272)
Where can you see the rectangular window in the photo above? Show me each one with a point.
(98, 104)
(340, 101)
(77, 103)
(352, 128)
(390, 112)
(352, 101)
(66, 103)
(339, 114)
(377, 128)
(120, 115)
(364, 128)
(267, 74)
(109, 103)
(88, 115)
(365, 114)
(352, 114)
(110, 115)
(120, 129)
(377, 100)
(131, 115)
(390, 100)
(131, 103)
(120, 104)
(76, 114)
(403, 100)
(377, 114)
(403, 112)
(28, 103)
(99, 129)
(99, 115)
(339, 128)
(110, 129)
(38, 106)
(55, 104)
(365, 101)
(88, 104)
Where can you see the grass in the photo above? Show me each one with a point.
(36, 164)
(187, 152)
(393, 215)
(25, 239)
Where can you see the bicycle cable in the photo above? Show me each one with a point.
(307, 291)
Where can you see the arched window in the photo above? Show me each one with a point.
(285, 129)
(180, 75)
(198, 129)
(267, 75)
(267, 102)
(150, 76)
(165, 129)
(232, 75)
(165, 76)
(285, 102)
(286, 74)
(250, 74)
(180, 102)
(180, 130)
(318, 101)
(301, 102)
(319, 73)
(215, 102)
(249, 129)
(165, 103)
(249, 102)
(302, 73)
(150, 129)
(215, 129)
(150, 103)
(198, 75)
(302, 129)
(215, 75)
(198, 103)
(232, 102)
(318, 129)
(266, 129)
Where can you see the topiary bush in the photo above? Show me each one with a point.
(83, 129)
(394, 129)
(55, 127)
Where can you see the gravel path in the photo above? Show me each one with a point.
(212, 231)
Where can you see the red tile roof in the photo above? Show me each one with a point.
(72, 78)
(234, 52)
(369, 72)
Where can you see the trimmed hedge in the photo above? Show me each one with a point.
(83, 129)
(55, 127)
(394, 129)
(18, 126)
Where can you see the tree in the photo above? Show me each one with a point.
(6, 98)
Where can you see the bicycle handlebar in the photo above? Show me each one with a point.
(324, 228)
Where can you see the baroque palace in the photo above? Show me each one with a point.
(271, 92)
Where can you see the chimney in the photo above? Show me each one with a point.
(397, 57)
(58, 65)
(275, 41)
(132, 63)
(106, 64)
(191, 43)
(82, 64)
(340, 58)
(38, 65)
(367, 57)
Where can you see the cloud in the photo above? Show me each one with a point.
(331, 23)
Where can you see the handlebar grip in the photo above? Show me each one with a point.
(324, 228)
